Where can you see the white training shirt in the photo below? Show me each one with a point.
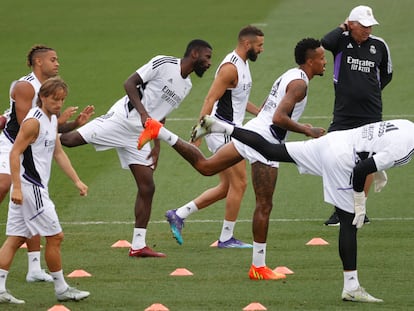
(37, 158)
(390, 143)
(231, 106)
(334, 156)
(12, 126)
(163, 89)
(263, 122)
(34, 81)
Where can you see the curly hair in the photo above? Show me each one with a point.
(304, 49)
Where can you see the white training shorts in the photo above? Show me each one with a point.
(119, 129)
(216, 141)
(5, 148)
(37, 214)
(333, 162)
(249, 153)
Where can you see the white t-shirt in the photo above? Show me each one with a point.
(334, 156)
(163, 89)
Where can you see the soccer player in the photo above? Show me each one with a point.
(43, 61)
(227, 99)
(31, 211)
(362, 69)
(279, 115)
(344, 159)
(153, 90)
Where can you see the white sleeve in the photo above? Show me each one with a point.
(147, 71)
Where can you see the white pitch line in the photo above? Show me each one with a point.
(385, 117)
(105, 223)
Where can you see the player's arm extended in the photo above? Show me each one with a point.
(296, 92)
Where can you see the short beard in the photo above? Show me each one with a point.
(198, 69)
(251, 55)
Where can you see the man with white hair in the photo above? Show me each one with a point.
(362, 68)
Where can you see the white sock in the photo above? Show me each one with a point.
(259, 254)
(227, 230)
(167, 136)
(351, 280)
(3, 278)
(33, 261)
(59, 281)
(138, 239)
(186, 210)
(222, 127)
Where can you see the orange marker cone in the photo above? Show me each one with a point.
(283, 270)
(121, 243)
(79, 274)
(214, 244)
(181, 272)
(254, 306)
(24, 245)
(157, 307)
(58, 308)
(317, 241)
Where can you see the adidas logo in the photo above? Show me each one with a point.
(349, 46)
(170, 81)
(227, 228)
(261, 252)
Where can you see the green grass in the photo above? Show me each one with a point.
(100, 43)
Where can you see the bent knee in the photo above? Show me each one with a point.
(57, 238)
(147, 189)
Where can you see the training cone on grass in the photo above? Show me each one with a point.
(58, 308)
(24, 245)
(214, 244)
(283, 270)
(157, 307)
(254, 306)
(121, 243)
(181, 272)
(79, 274)
(317, 241)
